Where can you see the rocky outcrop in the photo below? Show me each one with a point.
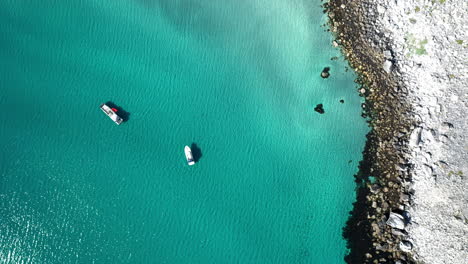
(410, 57)
(384, 173)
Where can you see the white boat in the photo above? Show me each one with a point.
(189, 156)
(111, 113)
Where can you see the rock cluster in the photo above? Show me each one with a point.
(411, 60)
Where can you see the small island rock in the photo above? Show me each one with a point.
(325, 72)
(319, 109)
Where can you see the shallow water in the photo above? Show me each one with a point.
(239, 79)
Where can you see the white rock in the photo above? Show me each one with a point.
(406, 246)
(387, 66)
(387, 54)
(380, 9)
(427, 136)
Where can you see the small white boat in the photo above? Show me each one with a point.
(189, 156)
(111, 113)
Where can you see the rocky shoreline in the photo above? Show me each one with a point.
(382, 226)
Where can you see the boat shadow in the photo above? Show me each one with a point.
(120, 111)
(196, 152)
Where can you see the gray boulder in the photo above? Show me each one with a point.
(396, 221)
(406, 246)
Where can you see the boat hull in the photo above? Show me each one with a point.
(189, 156)
(111, 114)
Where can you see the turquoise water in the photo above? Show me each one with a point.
(240, 79)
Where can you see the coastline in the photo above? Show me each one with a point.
(411, 181)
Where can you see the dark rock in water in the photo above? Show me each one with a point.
(342, 101)
(325, 72)
(319, 109)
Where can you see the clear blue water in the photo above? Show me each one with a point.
(240, 79)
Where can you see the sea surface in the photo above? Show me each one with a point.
(236, 79)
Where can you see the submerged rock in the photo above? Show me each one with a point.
(319, 109)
